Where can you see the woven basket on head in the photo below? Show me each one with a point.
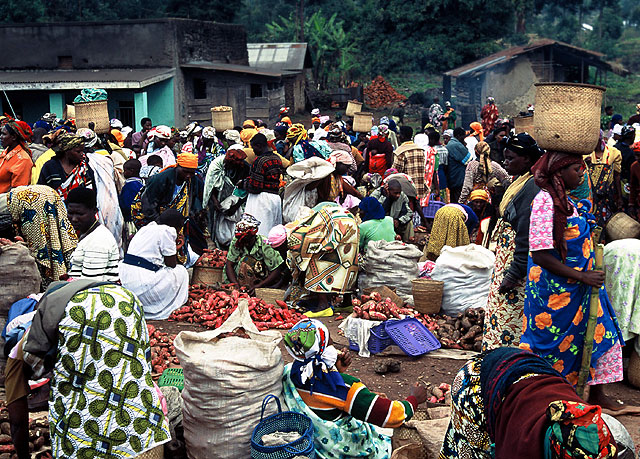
(96, 112)
(567, 116)
(362, 121)
(621, 226)
(353, 107)
(523, 124)
(427, 295)
(222, 118)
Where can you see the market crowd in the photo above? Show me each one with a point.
(115, 220)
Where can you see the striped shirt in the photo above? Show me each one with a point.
(360, 403)
(96, 256)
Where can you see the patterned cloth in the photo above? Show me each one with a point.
(601, 174)
(556, 309)
(412, 160)
(503, 325)
(342, 438)
(435, 115)
(103, 402)
(324, 247)
(489, 115)
(42, 220)
(448, 229)
(474, 179)
(541, 228)
(622, 269)
(264, 174)
(261, 258)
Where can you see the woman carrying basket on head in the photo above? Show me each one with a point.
(343, 411)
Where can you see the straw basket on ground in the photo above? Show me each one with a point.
(222, 118)
(633, 372)
(567, 116)
(206, 275)
(353, 107)
(270, 295)
(362, 121)
(96, 112)
(621, 226)
(153, 453)
(427, 295)
(523, 124)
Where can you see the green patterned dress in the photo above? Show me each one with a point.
(103, 402)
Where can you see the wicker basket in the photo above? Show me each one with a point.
(621, 226)
(153, 453)
(427, 295)
(568, 116)
(206, 275)
(633, 372)
(93, 112)
(362, 121)
(353, 107)
(69, 112)
(222, 118)
(270, 295)
(523, 124)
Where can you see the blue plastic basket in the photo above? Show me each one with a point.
(411, 336)
(430, 210)
(379, 340)
(287, 421)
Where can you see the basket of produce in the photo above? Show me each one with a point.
(96, 112)
(621, 226)
(375, 308)
(567, 116)
(222, 118)
(427, 295)
(283, 435)
(463, 331)
(379, 340)
(208, 269)
(523, 124)
(362, 121)
(353, 107)
(172, 377)
(270, 295)
(411, 336)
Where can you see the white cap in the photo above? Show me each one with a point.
(617, 129)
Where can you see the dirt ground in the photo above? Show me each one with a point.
(438, 367)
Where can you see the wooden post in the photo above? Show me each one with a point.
(591, 326)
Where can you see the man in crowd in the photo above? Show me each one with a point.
(409, 159)
(396, 205)
(457, 159)
(489, 115)
(139, 140)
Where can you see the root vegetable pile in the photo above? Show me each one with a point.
(373, 307)
(210, 308)
(463, 331)
(39, 439)
(380, 93)
(163, 354)
(440, 394)
(215, 258)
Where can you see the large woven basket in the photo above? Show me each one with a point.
(633, 372)
(93, 112)
(270, 295)
(427, 295)
(353, 107)
(621, 226)
(206, 275)
(222, 118)
(362, 121)
(153, 453)
(523, 124)
(567, 116)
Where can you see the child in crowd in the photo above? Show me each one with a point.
(154, 165)
(132, 185)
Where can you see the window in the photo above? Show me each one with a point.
(65, 62)
(199, 88)
(256, 91)
(125, 112)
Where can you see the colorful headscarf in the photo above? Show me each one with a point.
(277, 236)
(315, 112)
(247, 134)
(371, 209)
(546, 174)
(162, 132)
(235, 154)
(383, 130)
(483, 150)
(577, 430)
(297, 133)
(340, 156)
(209, 132)
(477, 130)
(232, 136)
(308, 343)
(389, 172)
(315, 119)
(384, 121)
(247, 226)
(636, 147)
(62, 141)
(22, 131)
(480, 194)
(90, 137)
(187, 148)
(249, 124)
(187, 160)
(286, 119)
(116, 123)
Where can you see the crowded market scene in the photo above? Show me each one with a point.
(353, 281)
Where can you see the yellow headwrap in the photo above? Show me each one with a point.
(247, 134)
(188, 160)
(480, 194)
(296, 133)
(483, 151)
(249, 124)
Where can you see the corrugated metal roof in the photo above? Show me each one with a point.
(279, 56)
(503, 56)
(231, 68)
(78, 79)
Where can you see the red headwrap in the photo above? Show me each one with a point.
(546, 174)
(22, 131)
